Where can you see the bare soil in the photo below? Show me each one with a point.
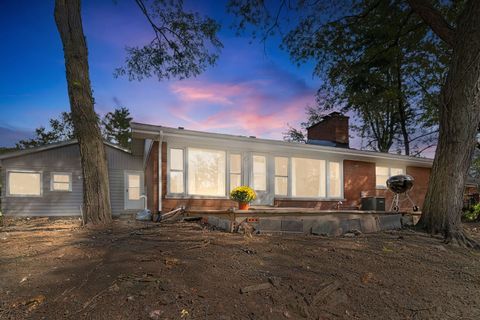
(53, 269)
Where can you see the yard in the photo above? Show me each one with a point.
(52, 269)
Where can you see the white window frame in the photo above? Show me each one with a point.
(70, 184)
(184, 171)
(229, 170)
(24, 195)
(288, 176)
(389, 167)
(327, 180)
(226, 168)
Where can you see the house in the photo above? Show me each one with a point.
(175, 167)
(198, 169)
(47, 181)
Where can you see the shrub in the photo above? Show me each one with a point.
(243, 194)
(472, 214)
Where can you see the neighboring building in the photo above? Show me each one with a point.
(47, 181)
(198, 169)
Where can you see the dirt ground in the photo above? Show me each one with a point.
(183, 270)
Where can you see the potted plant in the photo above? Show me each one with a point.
(243, 195)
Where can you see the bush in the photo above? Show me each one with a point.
(472, 214)
(243, 194)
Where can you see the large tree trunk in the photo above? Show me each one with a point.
(459, 119)
(96, 194)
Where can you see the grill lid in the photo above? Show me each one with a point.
(400, 183)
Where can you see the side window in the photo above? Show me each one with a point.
(235, 171)
(281, 176)
(176, 171)
(61, 181)
(24, 183)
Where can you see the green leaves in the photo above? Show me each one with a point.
(183, 43)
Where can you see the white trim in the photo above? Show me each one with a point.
(145, 130)
(160, 173)
(7, 191)
(70, 185)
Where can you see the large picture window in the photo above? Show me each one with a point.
(383, 173)
(206, 172)
(308, 178)
(23, 183)
(176, 171)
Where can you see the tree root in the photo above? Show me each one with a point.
(462, 239)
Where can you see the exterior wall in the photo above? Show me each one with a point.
(64, 159)
(151, 178)
(118, 162)
(358, 178)
(51, 203)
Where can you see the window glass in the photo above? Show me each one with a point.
(259, 173)
(176, 171)
(133, 187)
(281, 186)
(381, 176)
(206, 172)
(235, 171)
(281, 176)
(395, 171)
(281, 166)
(176, 159)
(24, 183)
(334, 185)
(61, 182)
(308, 177)
(176, 182)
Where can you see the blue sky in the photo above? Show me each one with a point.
(252, 90)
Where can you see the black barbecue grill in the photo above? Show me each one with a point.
(400, 184)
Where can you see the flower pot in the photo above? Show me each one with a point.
(243, 205)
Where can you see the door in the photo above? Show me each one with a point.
(260, 180)
(134, 190)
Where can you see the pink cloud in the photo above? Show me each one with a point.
(249, 108)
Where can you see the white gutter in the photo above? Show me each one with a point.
(294, 146)
(160, 141)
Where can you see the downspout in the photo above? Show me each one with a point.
(160, 142)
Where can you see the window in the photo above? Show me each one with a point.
(334, 182)
(281, 176)
(235, 171)
(206, 172)
(260, 173)
(134, 187)
(176, 171)
(61, 181)
(383, 173)
(308, 177)
(24, 183)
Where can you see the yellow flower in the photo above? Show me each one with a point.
(243, 194)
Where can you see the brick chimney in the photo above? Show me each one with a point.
(331, 131)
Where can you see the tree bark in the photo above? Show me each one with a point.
(459, 118)
(96, 193)
(401, 108)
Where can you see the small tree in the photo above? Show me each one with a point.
(116, 127)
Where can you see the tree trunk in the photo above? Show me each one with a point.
(459, 118)
(401, 108)
(96, 194)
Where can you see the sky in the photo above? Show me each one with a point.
(254, 89)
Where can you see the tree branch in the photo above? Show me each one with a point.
(434, 19)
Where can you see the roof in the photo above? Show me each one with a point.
(148, 131)
(49, 146)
